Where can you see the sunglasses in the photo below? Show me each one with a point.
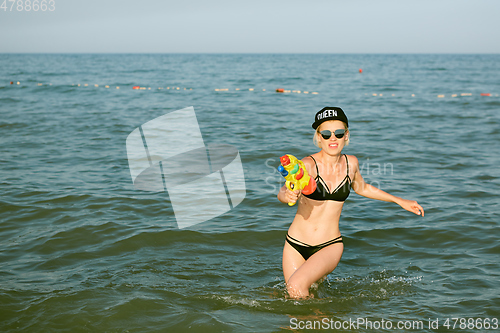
(327, 134)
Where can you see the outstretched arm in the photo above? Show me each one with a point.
(286, 196)
(362, 188)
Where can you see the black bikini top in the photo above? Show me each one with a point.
(322, 191)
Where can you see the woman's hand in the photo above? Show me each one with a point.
(287, 196)
(411, 206)
(292, 196)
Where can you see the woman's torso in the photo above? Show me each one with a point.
(317, 221)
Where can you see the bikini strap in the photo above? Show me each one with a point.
(297, 241)
(332, 241)
(316, 164)
(347, 163)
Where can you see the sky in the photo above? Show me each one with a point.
(252, 26)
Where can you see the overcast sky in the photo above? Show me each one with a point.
(253, 26)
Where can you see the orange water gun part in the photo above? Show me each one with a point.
(295, 173)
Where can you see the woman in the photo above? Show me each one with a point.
(318, 214)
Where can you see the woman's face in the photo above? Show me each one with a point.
(332, 145)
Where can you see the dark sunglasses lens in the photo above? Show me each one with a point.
(326, 134)
(339, 134)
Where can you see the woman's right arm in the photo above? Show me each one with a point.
(286, 196)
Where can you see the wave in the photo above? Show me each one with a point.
(9, 100)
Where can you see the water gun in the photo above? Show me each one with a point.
(296, 175)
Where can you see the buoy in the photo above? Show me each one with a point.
(11, 82)
(485, 94)
(360, 70)
(136, 87)
(280, 90)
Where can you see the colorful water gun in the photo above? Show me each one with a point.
(296, 175)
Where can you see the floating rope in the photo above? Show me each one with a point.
(278, 90)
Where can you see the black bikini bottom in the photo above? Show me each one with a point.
(307, 250)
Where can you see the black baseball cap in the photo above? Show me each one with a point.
(329, 113)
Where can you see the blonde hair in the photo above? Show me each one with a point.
(316, 133)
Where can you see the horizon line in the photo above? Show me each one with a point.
(255, 53)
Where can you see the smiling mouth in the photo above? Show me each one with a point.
(333, 145)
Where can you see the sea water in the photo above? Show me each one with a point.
(82, 250)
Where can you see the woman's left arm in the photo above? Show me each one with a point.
(369, 191)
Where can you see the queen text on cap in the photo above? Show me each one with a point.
(329, 113)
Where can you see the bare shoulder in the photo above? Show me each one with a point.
(308, 161)
(353, 161)
(310, 165)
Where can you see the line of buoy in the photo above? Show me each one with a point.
(467, 94)
(284, 91)
(278, 90)
(85, 85)
(160, 88)
(438, 96)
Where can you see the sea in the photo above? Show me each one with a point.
(83, 250)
